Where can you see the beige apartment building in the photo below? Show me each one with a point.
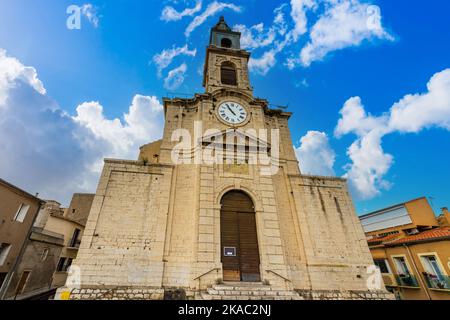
(411, 246)
(161, 228)
(18, 210)
(69, 224)
(33, 275)
(39, 240)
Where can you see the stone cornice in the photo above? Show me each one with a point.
(223, 92)
(137, 163)
(303, 176)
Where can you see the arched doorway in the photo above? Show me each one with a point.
(239, 240)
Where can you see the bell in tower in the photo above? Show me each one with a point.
(226, 65)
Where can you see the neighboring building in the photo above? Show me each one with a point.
(47, 249)
(33, 274)
(69, 223)
(79, 208)
(412, 249)
(18, 210)
(218, 231)
(444, 218)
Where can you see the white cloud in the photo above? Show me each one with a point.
(90, 12)
(299, 9)
(145, 118)
(45, 150)
(413, 113)
(268, 60)
(212, 9)
(170, 14)
(279, 21)
(369, 161)
(165, 58)
(315, 154)
(141, 124)
(255, 36)
(258, 36)
(369, 165)
(355, 119)
(418, 111)
(12, 72)
(175, 78)
(302, 83)
(263, 64)
(330, 25)
(345, 23)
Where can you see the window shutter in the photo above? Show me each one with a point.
(228, 76)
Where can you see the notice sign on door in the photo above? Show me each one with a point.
(229, 252)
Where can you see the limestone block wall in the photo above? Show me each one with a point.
(287, 154)
(206, 263)
(124, 238)
(182, 221)
(293, 245)
(337, 254)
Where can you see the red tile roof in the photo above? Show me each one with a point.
(432, 234)
(380, 240)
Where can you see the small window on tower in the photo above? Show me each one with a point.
(226, 43)
(228, 74)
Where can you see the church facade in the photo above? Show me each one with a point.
(176, 225)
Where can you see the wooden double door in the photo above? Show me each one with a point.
(239, 240)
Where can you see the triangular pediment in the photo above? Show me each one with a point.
(234, 137)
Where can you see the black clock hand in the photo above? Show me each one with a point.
(231, 110)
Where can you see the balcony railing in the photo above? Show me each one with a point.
(75, 244)
(407, 280)
(435, 282)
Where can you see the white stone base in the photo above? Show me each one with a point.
(110, 294)
(211, 294)
(345, 295)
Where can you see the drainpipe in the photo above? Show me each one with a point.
(11, 273)
(417, 272)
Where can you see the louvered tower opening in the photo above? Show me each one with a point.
(228, 74)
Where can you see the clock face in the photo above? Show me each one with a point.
(232, 113)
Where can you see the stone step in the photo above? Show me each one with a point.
(243, 284)
(227, 288)
(247, 292)
(207, 296)
(250, 286)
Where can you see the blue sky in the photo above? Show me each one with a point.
(98, 81)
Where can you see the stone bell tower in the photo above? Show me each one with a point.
(226, 63)
(191, 229)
